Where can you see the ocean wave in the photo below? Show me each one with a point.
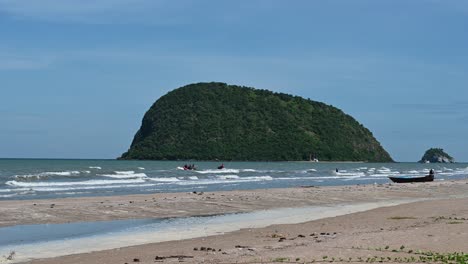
(350, 176)
(124, 176)
(8, 195)
(260, 178)
(347, 174)
(14, 190)
(141, 168)
(380, 175)
(249, 170)
(124, 172)
(227, 177)
(90, 182)
(224, 181)
(47, 174)
(193, 177)
(293, 178)
(217, 171)
(95, 167)
(170, 179)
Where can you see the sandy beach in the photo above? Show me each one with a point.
(429, 217)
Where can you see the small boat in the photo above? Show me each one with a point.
(427, 178)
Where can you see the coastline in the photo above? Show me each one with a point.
(166, 205)
(377, 198)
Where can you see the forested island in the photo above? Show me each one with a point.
(216, 121)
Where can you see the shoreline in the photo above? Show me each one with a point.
(185, 204)
(215, 225)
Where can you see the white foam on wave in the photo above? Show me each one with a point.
(124, 172)
(260, 178)
(8, 195)
(384, 170)
(217, 171)
(228, 177)
(306, 171)
(124, 176)
(224, 181)
(141, 168)
(170, 179)
(64, 173)
(293, 178)
(249, 170)
(95, 167)
(193, 177)
(453, 172)
(14, 190)
(380, 175)
(90, 182)
(47, 174)
(350, 174)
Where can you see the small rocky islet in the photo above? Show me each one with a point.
(436, 155)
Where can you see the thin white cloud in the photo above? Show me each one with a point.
(15, 63)
(152, 12)
(83, 11)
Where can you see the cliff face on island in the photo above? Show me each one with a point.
(436, 155)
(209, 121)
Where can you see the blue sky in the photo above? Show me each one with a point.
(76, 77)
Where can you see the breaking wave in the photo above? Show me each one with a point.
(171, 179)
(217, 171)
(90, 182)
(228, 177)
(48, 174)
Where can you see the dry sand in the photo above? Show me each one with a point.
(426, 225)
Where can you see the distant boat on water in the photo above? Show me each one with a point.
(314, 159)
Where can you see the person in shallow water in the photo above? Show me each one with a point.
(221, 166)
(431, 172)
(189, 167)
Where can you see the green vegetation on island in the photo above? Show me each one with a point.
(436, 155)
(216, 121)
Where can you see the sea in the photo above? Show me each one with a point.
(49, 178)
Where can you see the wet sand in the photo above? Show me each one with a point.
(161, 205)
(426, 225)
(390, 232)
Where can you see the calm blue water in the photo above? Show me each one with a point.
(31, 179)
